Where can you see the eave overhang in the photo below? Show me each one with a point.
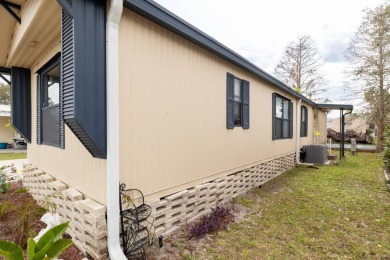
(335, 107)
(22, 45)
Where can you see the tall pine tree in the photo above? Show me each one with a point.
(369, 57)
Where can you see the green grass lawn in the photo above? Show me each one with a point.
(331, 212)
(12, 156)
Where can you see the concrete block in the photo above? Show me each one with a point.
(161, 219)
(191, 199)
(29, 168)
(191, 216)
(176, 210)
(96, 221)
(57, 185)
(80, 245)
(38, 172)
(72, 194)
(159, 229)
(92, 207)
(99, 245)
(95, 232)
(95, 254)
(70, 232)
(177, 196)
(46, 178)
(159, 207)
(221, 179)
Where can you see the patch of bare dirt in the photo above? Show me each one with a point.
(177, 245)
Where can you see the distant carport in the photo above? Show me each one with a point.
(341, 108)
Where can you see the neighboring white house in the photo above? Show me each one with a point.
(6, 133)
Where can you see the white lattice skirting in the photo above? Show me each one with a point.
(185, 206)
(87, 217)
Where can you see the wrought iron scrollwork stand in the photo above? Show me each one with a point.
(134, 222)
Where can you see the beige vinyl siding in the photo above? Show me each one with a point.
(173, 112)
(321, 124)
(73, 165)
(173, 131)
(6, 133)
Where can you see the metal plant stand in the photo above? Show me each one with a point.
(135, 226)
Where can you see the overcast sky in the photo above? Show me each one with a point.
(261, 30)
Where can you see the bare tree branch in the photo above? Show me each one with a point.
(300, 68)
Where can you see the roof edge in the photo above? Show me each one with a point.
(335, 106)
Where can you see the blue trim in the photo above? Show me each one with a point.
(161, 16)
(5, 70)
(83, 74)
(21, 101)
(66, 7)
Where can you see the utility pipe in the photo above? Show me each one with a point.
(343, 134)
(298, 131)
(112, 172)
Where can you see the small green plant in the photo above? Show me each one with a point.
(48, 204)
(386, 151)
(22, 226)
(4, 185)
(6, 207)
(49, 246)
(10, 250)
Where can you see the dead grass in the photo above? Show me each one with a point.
(331, 212)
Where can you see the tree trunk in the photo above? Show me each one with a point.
(379, 144)
(382, 116)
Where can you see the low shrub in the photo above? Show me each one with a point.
(22, 226)
(4, 185)
(218, 219)
(6, 207)
(386, 151)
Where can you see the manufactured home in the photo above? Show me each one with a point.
(110, 92)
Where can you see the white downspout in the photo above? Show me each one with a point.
(297, 147)
(112, 178)
(298, 130)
